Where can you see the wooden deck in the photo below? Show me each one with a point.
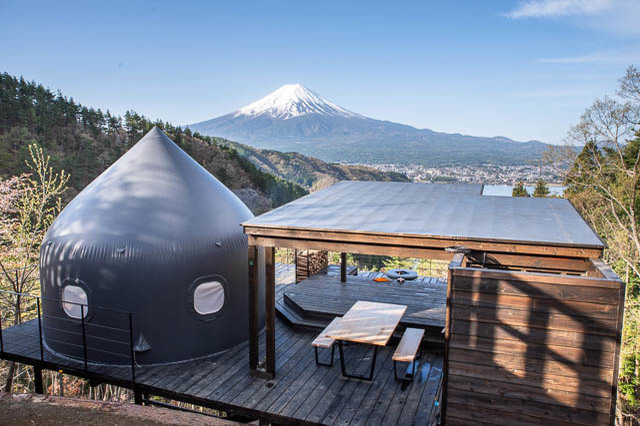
(301, 393)
(315, 301)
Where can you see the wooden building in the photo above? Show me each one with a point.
(533, 316)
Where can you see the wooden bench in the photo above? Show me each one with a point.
(407, 350)
(322, 341)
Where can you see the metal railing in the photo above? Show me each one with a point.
(100, 336)
(365, 262)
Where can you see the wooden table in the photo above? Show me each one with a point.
(370, 323)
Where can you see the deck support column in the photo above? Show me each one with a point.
(343, 267)
(270, 309)
(254, 329)
(37, 379)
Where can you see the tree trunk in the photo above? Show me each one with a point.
(61, 380)
(8, 386)
(9, 383)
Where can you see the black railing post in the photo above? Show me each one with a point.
(84, 338)
(40, 331)
(1, 342)
(132, 354)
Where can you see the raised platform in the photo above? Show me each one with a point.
(318, 299)
(301, 393)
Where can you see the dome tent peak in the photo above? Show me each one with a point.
(155, 192)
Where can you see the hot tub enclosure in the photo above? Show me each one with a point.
(156, 235)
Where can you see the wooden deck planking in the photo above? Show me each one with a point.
(326, 388)
(346, 408)
(301, 392)
(342, 388)
(324, 294)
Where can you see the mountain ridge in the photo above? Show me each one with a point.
(294, 118)
(309, 172)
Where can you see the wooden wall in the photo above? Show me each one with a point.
(532, 348)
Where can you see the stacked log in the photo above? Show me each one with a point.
(309, 262)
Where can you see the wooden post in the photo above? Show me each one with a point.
(254, 329)
(37, 373)
(616, 366)
(343, 267)
(457, 262)
(270, 308)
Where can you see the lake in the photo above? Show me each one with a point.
(505, 190)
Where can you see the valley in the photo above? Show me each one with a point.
(489, 174)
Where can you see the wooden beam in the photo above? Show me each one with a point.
(539, 277)
(360, 248)
(254, 313)
(531, 262)
(270, 302)
(343, 267)
(500, 246)
(604, 270)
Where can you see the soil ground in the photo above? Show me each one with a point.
(30, 409)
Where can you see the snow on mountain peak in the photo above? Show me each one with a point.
(292, 100)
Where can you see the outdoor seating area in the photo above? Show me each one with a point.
(315, 301)
(367, 323)
(372, 324)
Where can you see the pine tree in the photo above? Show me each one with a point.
(541, 190)
(519, 190)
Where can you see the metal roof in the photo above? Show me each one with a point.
(457, 211)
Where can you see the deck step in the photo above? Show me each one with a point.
(315, 315)
(311, 308)
(292, 317)
(292, 305)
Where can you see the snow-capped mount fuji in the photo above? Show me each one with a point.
(294, 118)
(293, 100)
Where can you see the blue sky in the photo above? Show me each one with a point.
(521, 69)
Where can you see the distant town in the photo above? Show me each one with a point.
(487, 174)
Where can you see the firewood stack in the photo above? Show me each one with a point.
(309, 262)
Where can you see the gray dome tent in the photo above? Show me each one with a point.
(156, 235)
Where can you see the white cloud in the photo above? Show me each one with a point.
(552, 93)
(618, 17)
(552, 8)
(617, 56)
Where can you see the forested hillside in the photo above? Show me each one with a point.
(310, 172)
(85, 141)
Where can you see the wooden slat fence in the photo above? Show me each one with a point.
(532, 348)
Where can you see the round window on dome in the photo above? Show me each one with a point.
(74, 301)
(208, 297)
